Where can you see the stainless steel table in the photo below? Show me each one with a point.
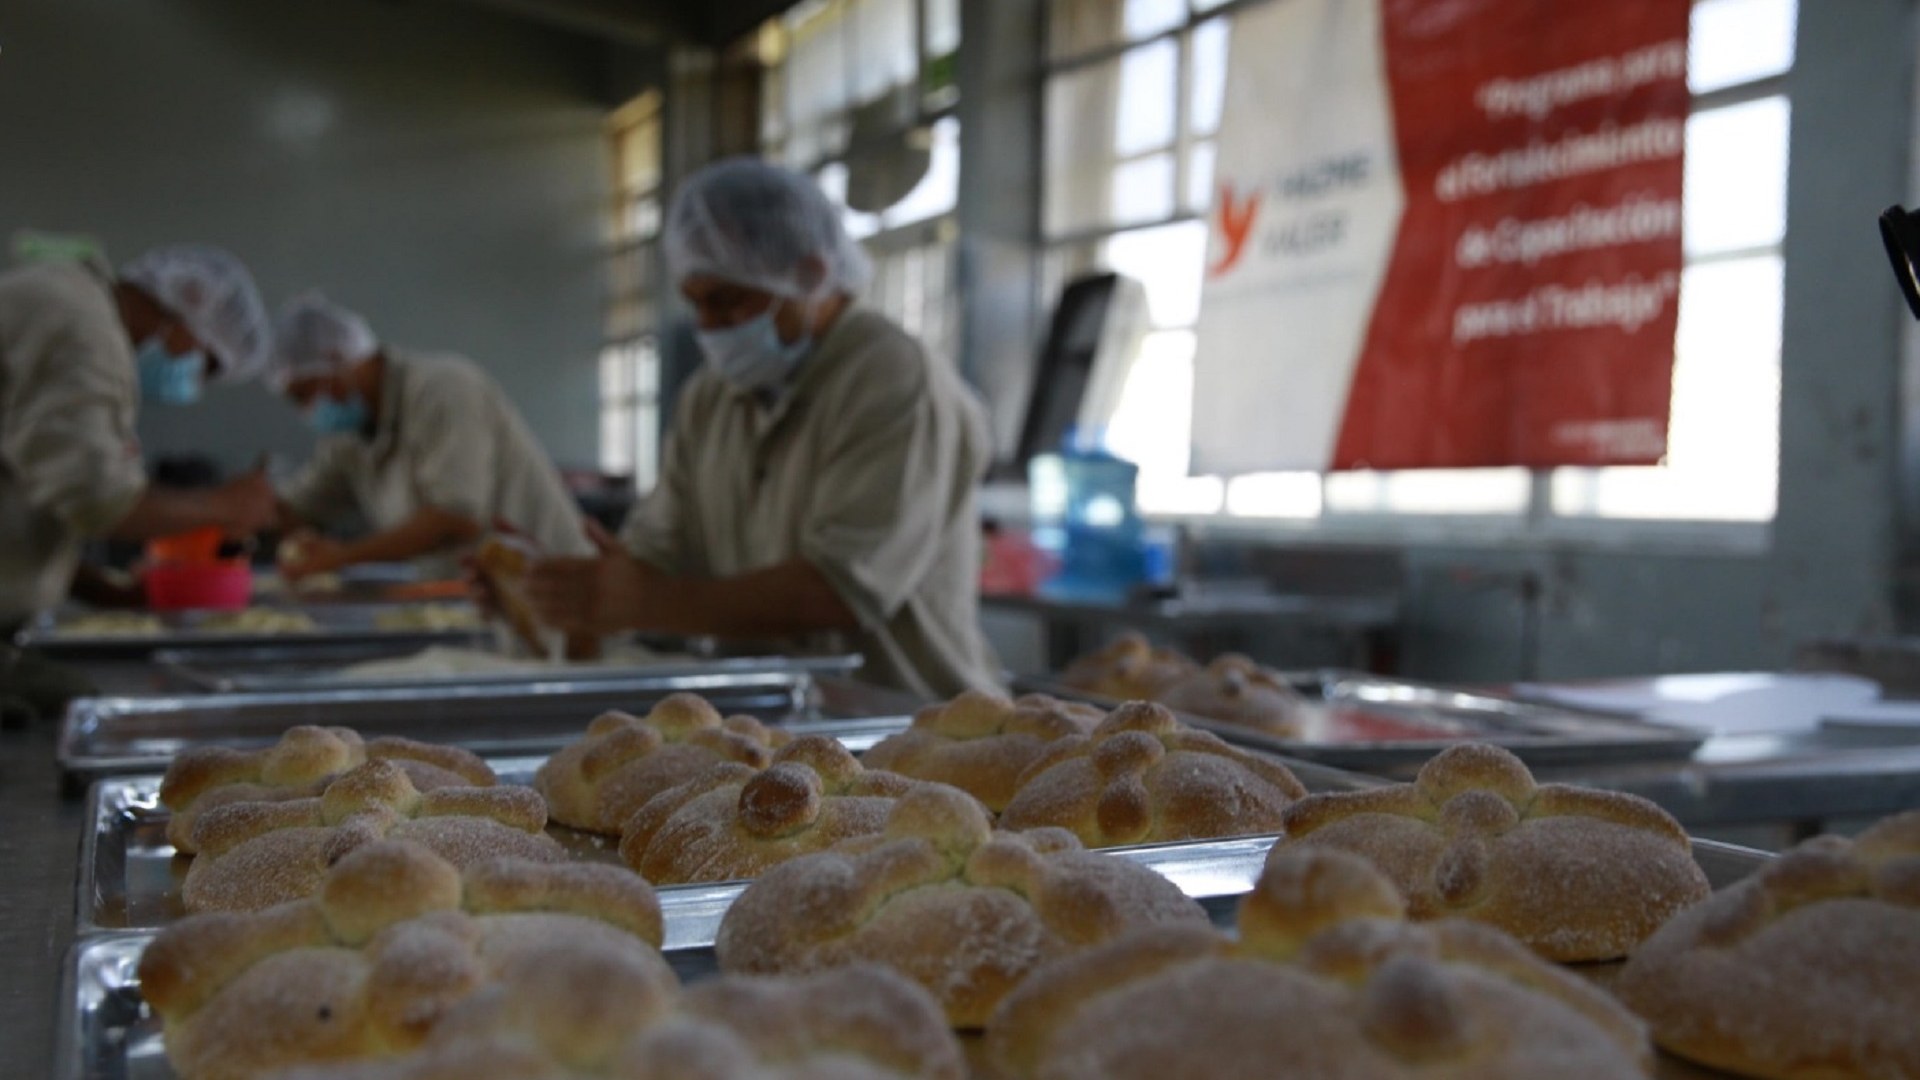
(1209, 624)
(39, 849)
(1803, 781)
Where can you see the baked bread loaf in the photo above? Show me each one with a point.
(1327, 981)
(1807, 969)
(393, 941)
(598, 782)
(1143, 777)
(861, 1023)
(253, 855)
(298, 766)
(1576, 874)
(958, 908)
(981, 743)
(733, 822)
(1130, 668)
(1235, 690)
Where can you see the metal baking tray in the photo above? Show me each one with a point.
(1434, 718)
(129, 877)
(106, 1031)
(338, 624)
(281, 668)
(106, 735)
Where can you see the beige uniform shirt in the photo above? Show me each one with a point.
(447, 438)
(69, 457)
(866, 468)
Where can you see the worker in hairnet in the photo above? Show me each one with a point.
(819, 479)
(80, 348)
(425, 450)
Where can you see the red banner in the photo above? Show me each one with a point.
(1526, 308)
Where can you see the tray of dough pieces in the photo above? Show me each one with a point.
(1374, 723)
(106, 1031)
(100, 736)
(383, 665)
(130, 878)
(134, 635)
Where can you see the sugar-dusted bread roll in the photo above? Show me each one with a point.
(1810, 968)
(958, 908)
(981, 743)
(1143, 777)
(1129, 669)
(1576, 874)
(598, 782)
(392, 943)
(1235, 690)
(858, 1023)
(733, 822)
(1326, 981)
(297, 766)
(253, 855)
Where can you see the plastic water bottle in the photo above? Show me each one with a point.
(1102, 554)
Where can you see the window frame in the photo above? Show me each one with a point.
(930, 109)
(1535, 524)
(630, 329)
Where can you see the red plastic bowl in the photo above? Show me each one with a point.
(211, 586)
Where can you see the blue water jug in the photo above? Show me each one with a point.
(1102, 550)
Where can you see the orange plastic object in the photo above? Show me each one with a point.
(199, 546)
(454, 589)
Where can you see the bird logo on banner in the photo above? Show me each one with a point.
(1234, 218)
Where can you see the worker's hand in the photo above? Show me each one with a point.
(479, 586)
(605, 594)
(306, 554)
(479, 590)
(245, 505)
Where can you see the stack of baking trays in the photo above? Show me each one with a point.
(415, 671)
(533, 883)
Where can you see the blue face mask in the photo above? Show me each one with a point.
(164, 377)
(330, 417)
(751, 355)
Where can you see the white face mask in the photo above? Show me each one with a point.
(751, 355)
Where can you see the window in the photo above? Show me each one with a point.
(1133, 97)
(1132, 106)
(1723, 444)
(629, 357)
(861, 93)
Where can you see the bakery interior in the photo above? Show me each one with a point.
(1470, 628)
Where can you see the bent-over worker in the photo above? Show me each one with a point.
(79, 349)
(819, 479)
(426, 450)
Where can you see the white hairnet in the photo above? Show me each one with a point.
(211, 291)
(316, 335)
(756, 224)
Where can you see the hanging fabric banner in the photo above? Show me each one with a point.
(1446, 233)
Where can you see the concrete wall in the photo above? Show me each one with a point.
(436, 166)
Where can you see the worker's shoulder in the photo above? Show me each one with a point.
(441, 376)
(55, 297)
(871, 358)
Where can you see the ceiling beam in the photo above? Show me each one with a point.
(627, 22)
(722, 23)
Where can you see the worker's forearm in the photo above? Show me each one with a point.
(287, 519)
(166, 511)
(428, 531)
(789, 599)
(101, 588)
